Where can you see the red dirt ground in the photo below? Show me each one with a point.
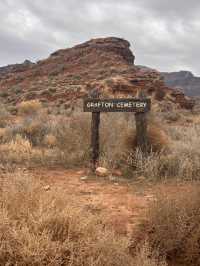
(123, 204)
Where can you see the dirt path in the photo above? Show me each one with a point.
(122, 203)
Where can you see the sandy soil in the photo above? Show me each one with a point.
(123, 203)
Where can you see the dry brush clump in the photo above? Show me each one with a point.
(120, 149)
(172, 225)
(48, 228)
(72, 139)
(186, 149)
(52, 139)
(64, 140)
(5, 116)
(29, 108)
(158, 141)
(173, 151)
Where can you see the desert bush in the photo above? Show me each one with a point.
(35, 129)
(50, 140)
(172, 116)
(49, 228)
(173, 151)
(172, 225)
(29, 108)
(38, 228)
(145, 256)
(186, 149)
(33, 125)
(4, 136)
(157, 166)
(158, 140)
(16, 151)
(32, 128)
(72, 139)
(4, 116)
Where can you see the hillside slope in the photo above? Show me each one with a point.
(184, 79)
(70, 74)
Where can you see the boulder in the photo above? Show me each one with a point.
(83, 178)
(101, 171)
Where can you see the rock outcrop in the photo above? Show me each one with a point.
(70, 74)
(183, 79)
(11, 69)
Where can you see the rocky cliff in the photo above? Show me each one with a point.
(70, 74)
(185, 80)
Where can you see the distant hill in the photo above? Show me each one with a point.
(70, 74)
(183, 79)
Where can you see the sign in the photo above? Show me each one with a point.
(117, 105)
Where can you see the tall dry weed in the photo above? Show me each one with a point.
(48, 228)
(172, 225)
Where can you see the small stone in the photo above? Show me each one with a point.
(47, 188)
(101, 171)
(83, 178)
(116, 184)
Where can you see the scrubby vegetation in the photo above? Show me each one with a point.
(39, 227)
(35, 136)
(47, 228)
(172, 226)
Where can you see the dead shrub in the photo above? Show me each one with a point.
(172, 225)
(172, 116)
(72, 139)
(33, 128)
(50, 141)
(38, 228)
(4, 116)
(158, 141)
(17, 150)
(29, 108)
(3, 135)
(145, 256)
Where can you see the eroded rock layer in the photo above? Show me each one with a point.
(70, 74)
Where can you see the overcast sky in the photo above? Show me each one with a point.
(163, 34)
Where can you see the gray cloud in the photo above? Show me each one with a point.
(163, 34)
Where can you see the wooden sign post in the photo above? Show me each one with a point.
(96, 105)
(95, 123)
(141, 127)
(95, 138)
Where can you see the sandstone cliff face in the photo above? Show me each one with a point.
(185, 80)
(70, 74)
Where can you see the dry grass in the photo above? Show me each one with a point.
(47, 228)
(172, 226)
(29, 108)
(5, 116)
(157, 139)
(145, 256)
(50, 141)
(173, 150)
